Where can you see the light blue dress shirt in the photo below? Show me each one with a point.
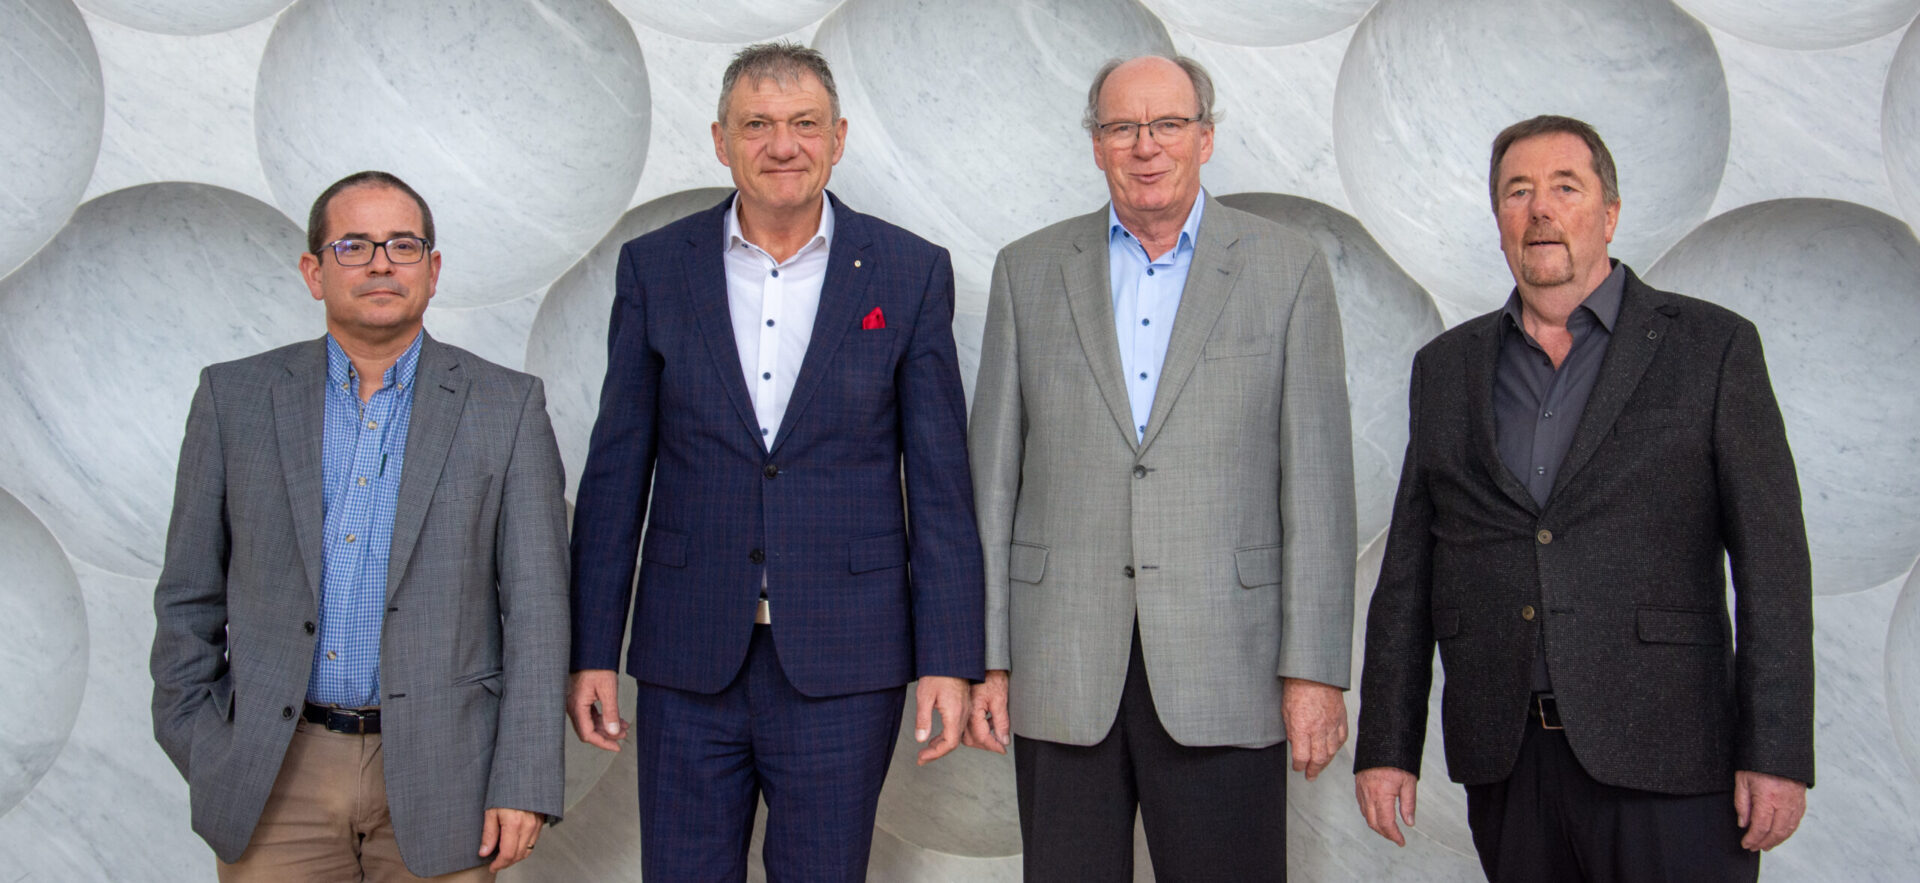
(1146, 295)
(362, 449)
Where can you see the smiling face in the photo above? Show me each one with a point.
(380, 301)
(1150, 178)
(781, 141)
(1555, 221)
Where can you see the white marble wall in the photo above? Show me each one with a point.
(161, 155)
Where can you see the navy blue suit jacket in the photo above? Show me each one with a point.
(870, 588)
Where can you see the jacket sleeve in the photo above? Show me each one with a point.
(995, 443)
(1316, 490)
(189, 659)
(944, 547)
(1398, 672)
(1766, 538)
(530, 550)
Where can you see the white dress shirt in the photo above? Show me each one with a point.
(773, 305)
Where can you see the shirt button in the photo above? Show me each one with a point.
(1544, 536)
(763, 430)
(1149, 271)
(769, 323)
(771, 470)
(363, 481)
(1539, 470)
(1143, 375)
(1128, 570)
(1139, 472)
(330, 655)
(1526, 613)
(350, 538)
(766, 375)
(1547, 415)
(756, 556)
(1143, 429)
(1146, 321)
(776, 274)
(372, 425)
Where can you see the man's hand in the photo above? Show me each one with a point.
(513, 831)
(1769, 807)
(593, 702)
(1316, 717)
(1378, 789)
(949, 697)
(991, 728)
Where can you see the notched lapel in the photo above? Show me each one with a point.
(842, 295)
(1483, 358)
(706, 270)
(1090, 300)
(439, 396)
(1210, 279)
(1637, 335)
(299, 418)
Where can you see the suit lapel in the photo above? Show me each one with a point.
(1210, 279)
(299, 417)
(439, 395)
(1090, 299)
(707, 285)
(1637, 333)
(1483, 357)
(842, 295)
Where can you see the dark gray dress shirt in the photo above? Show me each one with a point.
(1537, 407)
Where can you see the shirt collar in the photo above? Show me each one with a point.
(1189, 231)
(822, 237)
(340, 368)
(1603, 302)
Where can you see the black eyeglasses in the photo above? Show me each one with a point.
(359, 252)
(1163, 130)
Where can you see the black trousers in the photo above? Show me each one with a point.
(1550, 821)
(1210, 813)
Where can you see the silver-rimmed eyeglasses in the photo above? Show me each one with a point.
(399, 249)
(1162, 130)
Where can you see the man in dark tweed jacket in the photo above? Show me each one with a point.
(1581, 463)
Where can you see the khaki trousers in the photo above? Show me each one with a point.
(326, 820)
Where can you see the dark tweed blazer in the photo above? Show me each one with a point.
(1679, 462)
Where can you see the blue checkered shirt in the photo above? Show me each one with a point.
(362, 450)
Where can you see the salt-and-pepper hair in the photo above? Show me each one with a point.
(780, 61)
(1196, 74)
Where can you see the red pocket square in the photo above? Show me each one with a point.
(873, 320)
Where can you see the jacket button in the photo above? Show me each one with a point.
(309, 627)
(286, 713)
(756, 556)
(1139, 472)
(1526, 613)
(1128, 570)
(1544, 536)
(771, 470)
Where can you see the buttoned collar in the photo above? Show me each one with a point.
(822, 236)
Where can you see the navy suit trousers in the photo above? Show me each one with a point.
(707, 758)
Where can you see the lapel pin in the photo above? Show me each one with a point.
(856, 264)
(1653, 335)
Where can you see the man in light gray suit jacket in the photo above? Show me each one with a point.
(1164, 486)
(362, 621)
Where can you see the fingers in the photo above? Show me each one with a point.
(949, 697)
(1409, 795)
(489, 832)
(1760, 832)
(980, 725)
(1378, 810)
(516, 829)
(923, 696)
(1302, 752)
(1002, 721)
(1742, 799)
(593, 705)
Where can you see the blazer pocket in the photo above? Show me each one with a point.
(1446, 622)
(488, 679)
(668, 547)
(877, 552)
(449, 491)
(1258, 566)
(1026, 562)
(1667, 625)
(1244, 346)
(1644, 419)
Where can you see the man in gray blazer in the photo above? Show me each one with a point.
(361, 648)
(1581, 463)
(1164, 486)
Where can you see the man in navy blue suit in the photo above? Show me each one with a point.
(776, 366)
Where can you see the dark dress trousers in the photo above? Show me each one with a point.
(1679, 463)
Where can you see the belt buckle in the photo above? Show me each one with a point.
(1540, 705)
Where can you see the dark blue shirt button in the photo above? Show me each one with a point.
(776, 274)
(1146, 321)
(769, 323)
(766, 375)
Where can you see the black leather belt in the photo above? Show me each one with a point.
(1547, 711)
(353, 722)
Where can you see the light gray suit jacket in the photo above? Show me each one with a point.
(1228, 532)
(473, 652)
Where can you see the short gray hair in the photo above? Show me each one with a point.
(1202, 89)
(1549, 124)
(780, 61)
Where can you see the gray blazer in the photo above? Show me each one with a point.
(1229, 531)
(473, 653)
